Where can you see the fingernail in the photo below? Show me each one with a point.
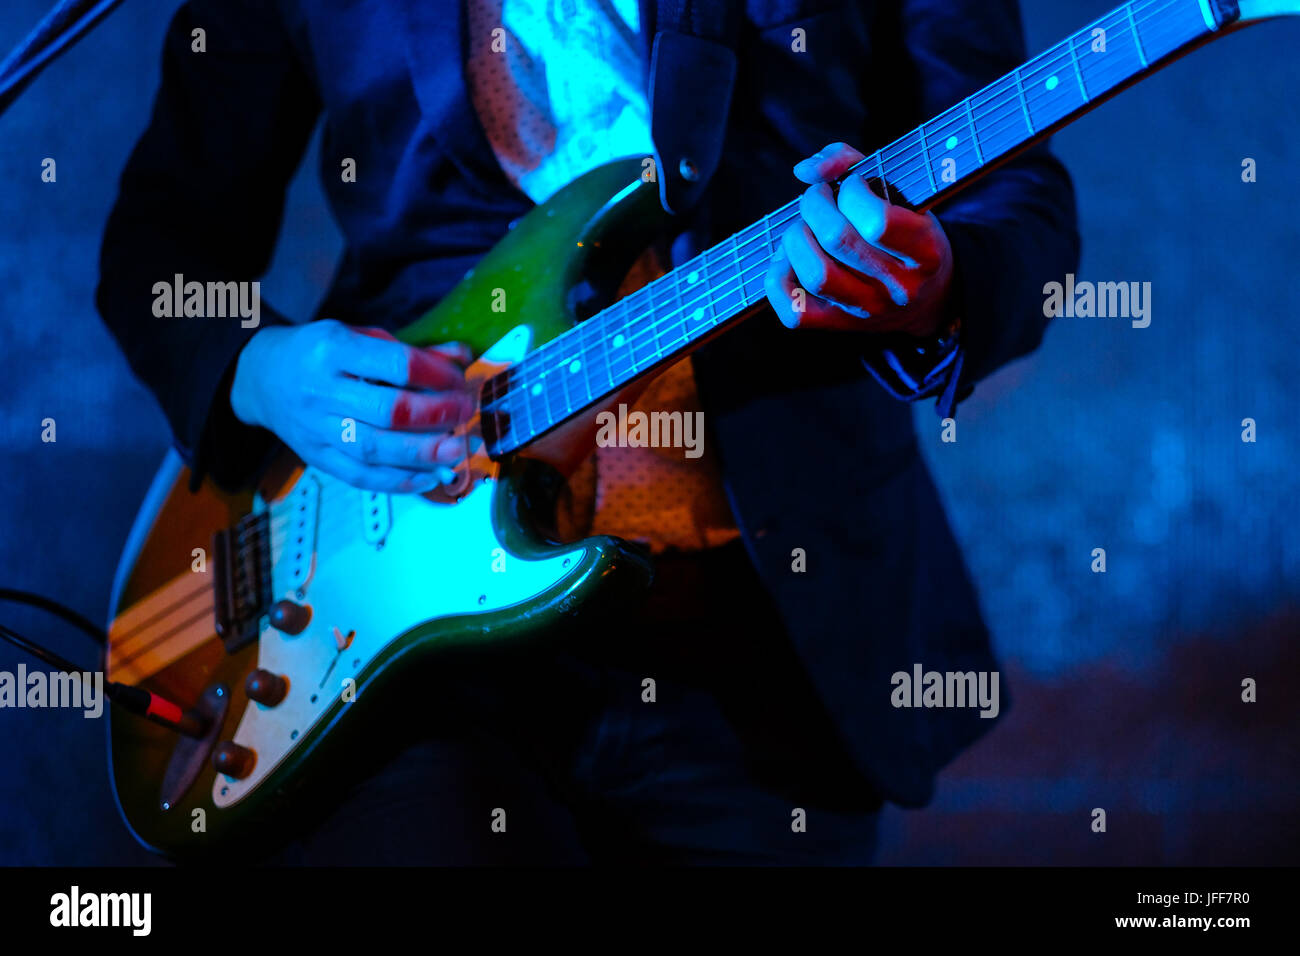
(425, 483)
(449, 451)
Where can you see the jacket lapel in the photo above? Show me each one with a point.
(435, 39)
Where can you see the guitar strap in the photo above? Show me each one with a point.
(692, 76)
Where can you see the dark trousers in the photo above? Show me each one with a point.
(681, 732)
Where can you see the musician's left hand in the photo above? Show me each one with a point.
(861, 262)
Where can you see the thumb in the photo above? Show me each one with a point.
(830, 163)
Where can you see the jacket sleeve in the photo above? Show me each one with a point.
(201, 200)
(1010, 232)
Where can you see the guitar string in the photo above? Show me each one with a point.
(279, 516)
(710, 296)
(1048, 58)
(528, 373)
(717, 294)
(536, 370)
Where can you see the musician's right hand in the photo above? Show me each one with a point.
(356, 403)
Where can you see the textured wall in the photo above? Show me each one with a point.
(1114, 437)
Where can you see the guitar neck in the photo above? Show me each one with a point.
(670, 316)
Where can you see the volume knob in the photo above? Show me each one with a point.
(233, 760)
(289, 617)
(266, 688)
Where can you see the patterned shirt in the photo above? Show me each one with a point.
(557, 85)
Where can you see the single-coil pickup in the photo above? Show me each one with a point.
(376, 517)
(300, 535)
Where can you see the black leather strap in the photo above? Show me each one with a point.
(692, 75)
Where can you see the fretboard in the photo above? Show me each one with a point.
(668, 317)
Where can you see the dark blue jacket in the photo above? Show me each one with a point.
(816, 454)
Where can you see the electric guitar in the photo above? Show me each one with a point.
(265, 627)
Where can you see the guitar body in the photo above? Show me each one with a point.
(379, 583)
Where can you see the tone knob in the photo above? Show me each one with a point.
(233, 760)
(289, 617)
(266, 688)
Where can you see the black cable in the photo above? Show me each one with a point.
(137, 700)
(64, 25)
(49, 657)
(84, 624)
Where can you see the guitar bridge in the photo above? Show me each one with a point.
(241, 580)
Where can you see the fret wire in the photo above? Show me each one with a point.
(561, 373)
(682, 288)
(507, 416)
(584, 356)
(713, 277)
(618, 324)
(735, 255)
(740, 270)
(1078, 73)
(634, 330)
(687, 294)
(546, 397)
(604, 347)
(702, 303)
(710, 300)
(527, 400)
(703, 290)
(630, 330)
(594, 356)
(654, 330)
(767, 233)
(925, 160)
(1024, 105)
(600, 349)
(974, 137)
(702, 312)
(569, 399)
(1102, 71)
(718, 272)
(1137, 39)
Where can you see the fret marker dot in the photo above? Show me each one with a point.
(1052, 83)
(697, 314)
(574, 366)
(952, 142)
(618, 341)
(692, 277)
(537, 389)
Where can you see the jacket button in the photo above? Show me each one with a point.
(690, 172)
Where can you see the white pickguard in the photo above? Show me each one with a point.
(374, 566)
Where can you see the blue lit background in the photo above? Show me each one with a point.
(1127, 683)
